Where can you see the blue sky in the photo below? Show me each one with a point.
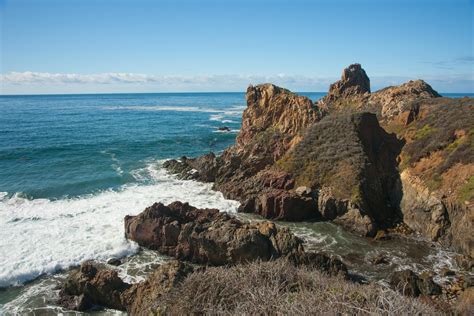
(68, 46)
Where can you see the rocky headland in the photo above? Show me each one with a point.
(391, 163)
(401, 157)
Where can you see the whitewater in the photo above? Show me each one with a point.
(44, 236)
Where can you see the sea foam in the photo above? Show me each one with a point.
(43, 236)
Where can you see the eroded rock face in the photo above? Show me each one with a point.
(401, 103)
(207, 236)
(354, 81)
(272, 107)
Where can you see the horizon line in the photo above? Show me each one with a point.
(180, 92)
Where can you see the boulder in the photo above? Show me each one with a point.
(322, 262)
(409, 283)
(285, 205)
(93, 285)
(206, 236)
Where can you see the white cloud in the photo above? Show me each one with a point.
(44, 82)
(29, 77)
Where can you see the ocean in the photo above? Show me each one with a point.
(72, 166)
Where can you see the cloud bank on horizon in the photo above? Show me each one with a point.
(115, 82)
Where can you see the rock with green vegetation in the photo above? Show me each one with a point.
(351, 161)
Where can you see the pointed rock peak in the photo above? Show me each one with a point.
(353, 81)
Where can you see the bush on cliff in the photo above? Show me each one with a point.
(277, 287)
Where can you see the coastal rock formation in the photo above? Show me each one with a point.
(94, 285)
(354, 82)
(356, 174)
(409, 283)
(437, 173)
(141, 298)
(401, 103)
(351, 161)
(207, 236)
(396, 103)
(275, 108)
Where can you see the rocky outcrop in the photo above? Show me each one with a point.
(354, 82)
(401, 103)
(422, 211)
(437, 175)
(351, 169)
(350, 161)
(141, 298)
(207, 236)
(94, 285)
(409, 283)
(275, 108)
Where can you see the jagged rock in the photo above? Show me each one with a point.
(114, 262)
(285, 205)
(354, 81)
(401, 103)
(206, 235)
(141, 297)
(409, 283)
(92, 285)
(272, 107)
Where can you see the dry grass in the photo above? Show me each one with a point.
(276, 288)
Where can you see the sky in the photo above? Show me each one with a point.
(95, 46)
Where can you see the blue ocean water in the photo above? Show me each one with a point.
(72, 166)
(53, 146)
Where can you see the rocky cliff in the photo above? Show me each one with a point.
(409, 161)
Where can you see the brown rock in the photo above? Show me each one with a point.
(284, 205)
(354, 81)
(141, 297)
(92, 285)
(409, 283)
(272, 107)
(206, 236)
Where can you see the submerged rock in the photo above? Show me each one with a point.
(208, 236)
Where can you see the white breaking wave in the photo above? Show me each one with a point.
(43, 236)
